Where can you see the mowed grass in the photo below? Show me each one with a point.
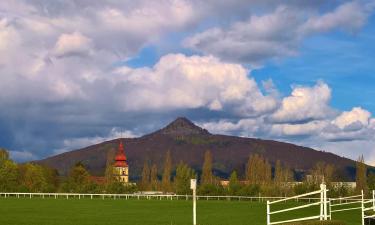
(37, 211)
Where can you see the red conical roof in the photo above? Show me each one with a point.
(120, 156)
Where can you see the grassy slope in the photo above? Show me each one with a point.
(138, 212)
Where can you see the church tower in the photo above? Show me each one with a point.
(121, 169)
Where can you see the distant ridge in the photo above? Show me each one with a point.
(188, 142)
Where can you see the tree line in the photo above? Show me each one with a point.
(260, 178)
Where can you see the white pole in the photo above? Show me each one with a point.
(268, 213)
(193, 186)
(325, 201)
(321, 202)
(363, 210)
(194, 207)
(330, 209)
(373, 199)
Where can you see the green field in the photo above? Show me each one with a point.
(38, 211)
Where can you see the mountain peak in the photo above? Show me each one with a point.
(183, 126)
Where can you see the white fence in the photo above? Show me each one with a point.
(353, 203)
(322, 202)
(147, 196)
(345, 204)
(365, 207)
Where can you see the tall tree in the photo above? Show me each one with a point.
(145, 181)
(9, 176)
(267, 171)
(154, 177)
(361, 172)
(234, 185)
(109, 178)
(282, 174)
(371, 181)
(288, 174)
(322, 171)
(78, 180)
(182, 179)
(207, 176)
(166, 180)
(258, 170)
(52, 178)
(279, 173)
(34, 178)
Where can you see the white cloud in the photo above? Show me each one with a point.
(357, 114)
(276, 34)
(304, 104)
(243, 127)
(76, 143)
(252, 41)
(305, 129)
(350, 125)
(178, 81)
(72, 44)
(349, 16)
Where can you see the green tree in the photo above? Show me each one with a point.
(166, 180)
(34, 178)
(182, 179)
(116, 187)
(78, 180)
(207, 176)
(154, 178)
(361, 172)
(9, 176)
(52, 178)
(371, 181)
(234, 185)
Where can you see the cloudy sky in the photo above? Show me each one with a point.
(78, 72)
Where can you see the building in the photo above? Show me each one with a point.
(121, 168)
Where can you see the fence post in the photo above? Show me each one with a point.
(325, 201)
(330, 208)
(321, 202)
(268, 213)
(363, 209)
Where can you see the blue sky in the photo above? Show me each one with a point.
(75, 73)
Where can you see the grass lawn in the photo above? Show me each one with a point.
(36, 211)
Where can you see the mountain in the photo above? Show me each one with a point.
(188, 143)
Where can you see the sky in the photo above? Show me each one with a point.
(78, 72)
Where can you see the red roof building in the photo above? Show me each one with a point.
(121, 168)
(120, 159)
